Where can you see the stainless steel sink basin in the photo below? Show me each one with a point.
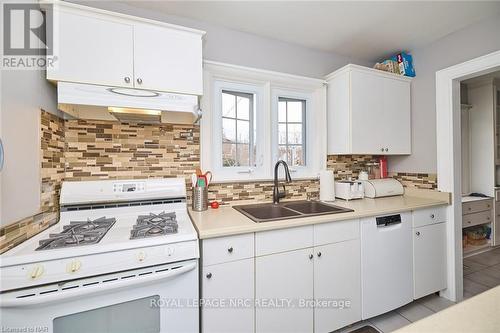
(287, 210)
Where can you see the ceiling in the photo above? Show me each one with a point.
(364, 30)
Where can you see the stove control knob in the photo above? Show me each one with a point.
(141, 256)
(74, 266)
(36, 272)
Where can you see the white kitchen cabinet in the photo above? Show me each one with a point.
(104, 48)
(337, 277)
(368, 112)
(429, 259)
(167, 60)
(230, 282)
(284, 276)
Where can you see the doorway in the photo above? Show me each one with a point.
(449, 156)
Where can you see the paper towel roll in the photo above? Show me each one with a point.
(326, 186)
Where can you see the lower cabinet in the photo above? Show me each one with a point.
(337, 278)
(233, 284)
(282, 278)
(429, 259)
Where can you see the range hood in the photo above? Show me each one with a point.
(87, 101)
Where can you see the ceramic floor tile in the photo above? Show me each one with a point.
(472, 266)
(389, 322)
(489, 258)
(484, 279)
(435, 303)
(492, 271)
(354, 327)
(414, 311)
(473, 288)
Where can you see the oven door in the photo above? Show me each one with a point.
(161, 298)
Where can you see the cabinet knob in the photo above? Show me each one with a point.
(230, 250)
(432, 216)
(311, 256)
(126, 79)
(382, 149)
(418, 233)
(209, 275)
(386, 149)
(319, 254)
(139, 80)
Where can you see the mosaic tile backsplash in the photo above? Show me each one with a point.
(89, 150)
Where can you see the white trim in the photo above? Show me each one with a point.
(315, 135)
(449, 156)
(263, 82)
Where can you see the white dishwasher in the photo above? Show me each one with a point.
(386, 263)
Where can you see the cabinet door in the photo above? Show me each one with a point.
(396, 122)
(93, 50)
(231, 282)
(167, 60)
(281, 278)
(367, 113)
(337, 277)
(429, 259)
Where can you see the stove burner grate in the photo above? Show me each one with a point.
(154, 225)
(78, 233)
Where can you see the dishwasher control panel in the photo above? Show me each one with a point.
(386, 221)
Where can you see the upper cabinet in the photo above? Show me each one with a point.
(99, 47)
(368, 112)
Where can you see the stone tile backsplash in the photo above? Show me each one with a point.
(74, 150)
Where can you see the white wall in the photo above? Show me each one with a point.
(240, 48)
(476, 40)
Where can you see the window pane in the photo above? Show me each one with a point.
(228, 105)
(294, 133)
(296, 155)
(282, 111)
(295, 111)
(229, 155)
(243, 155)
(243, 108)
(228, 130)
(243, 131)
(282, 134)
(282, 153)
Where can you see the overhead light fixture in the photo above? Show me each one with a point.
(134, 92)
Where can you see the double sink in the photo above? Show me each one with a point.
(267, 212)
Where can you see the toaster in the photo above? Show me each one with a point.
(349, 190)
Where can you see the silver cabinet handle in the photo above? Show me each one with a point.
(382, 149)
(139, 80)
(311, 256)
(230, 250)
(126, 79)
(418, 233)
(432, 216)
(319, 254)
(386, 149)
(209, 275)
(2, 155)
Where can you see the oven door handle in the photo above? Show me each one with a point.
(11, 301)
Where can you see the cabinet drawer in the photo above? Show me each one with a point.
(275, 241)
(470, 220)
(334, 232)
(422, 217)
(476, 206)
(224, 249)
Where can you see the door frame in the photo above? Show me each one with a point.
(449, 156)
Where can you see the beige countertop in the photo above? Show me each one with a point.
(480, 314)
(226, 221)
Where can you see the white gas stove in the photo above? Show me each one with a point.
(115, 238)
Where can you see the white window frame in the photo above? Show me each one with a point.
(314, 132)
(220, 172)
(266, 86)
